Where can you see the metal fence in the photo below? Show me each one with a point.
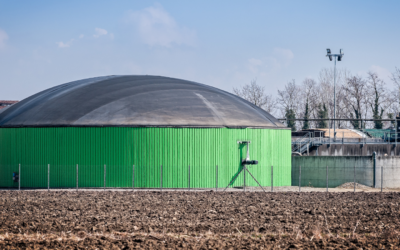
(359, 177)
(356, 178)
(48, 176)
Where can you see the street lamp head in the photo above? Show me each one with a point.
(328, 51)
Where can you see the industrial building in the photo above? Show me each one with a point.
(141, 131)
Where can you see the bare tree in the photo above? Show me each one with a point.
(378, 99)
(396, 77)
(288, 100)
(356, 100)
(396, 92)
(289, 97)
(256, 94)
(326, 92)
(308, 102)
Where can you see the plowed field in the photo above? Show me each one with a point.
(198, 220)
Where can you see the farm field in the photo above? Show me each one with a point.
(198, 220)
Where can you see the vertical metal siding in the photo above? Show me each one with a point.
(146, 148)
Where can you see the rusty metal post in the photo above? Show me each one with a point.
(77, 178)
(216, 179)
(272, 178)
(48, 177)
(300, 178)
(354, 178)
(161, 177)
(189, 177)
(244, 178)
(327, 179)
(381, 178)
(133, 177)
(19, 177)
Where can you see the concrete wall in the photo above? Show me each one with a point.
(341, 170)
(391, 172)
(355, 149)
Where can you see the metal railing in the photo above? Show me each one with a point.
(304, 143)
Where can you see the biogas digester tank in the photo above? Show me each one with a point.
(145, 121)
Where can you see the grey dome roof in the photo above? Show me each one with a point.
(136, 101)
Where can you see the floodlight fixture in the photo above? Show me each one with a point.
(328, 54)
(341, 54)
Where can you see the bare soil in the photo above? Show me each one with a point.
(198, 220)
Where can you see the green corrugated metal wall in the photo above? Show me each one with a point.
(146, 148)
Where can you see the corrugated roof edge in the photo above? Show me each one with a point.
(141, 126)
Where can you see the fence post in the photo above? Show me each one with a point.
(105, 171)
(133, 177)
(216, 179)
(19, 177)
(189, 177)
(272, 178)
(395, 136)
(374, 162)
(342, 138)
(327, 180)
(77, 178)
(354, 177)
(244, 179)
(329, 132)
(300, 178)
(381, 178)
(48, 177)
(161, 176)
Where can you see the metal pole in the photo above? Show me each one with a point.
(189, 177)
(354, 177)
(381, 178)
(329, 125)
(327, 181)
(395, 136)
(105, 171)
(133, 177)
(244, 178)
(161, 175)
(216, 179)
(300, 178)
(48, 177)
(77, 177)
(374, 161)
(334, 101)
(19, 177)
(272, 178)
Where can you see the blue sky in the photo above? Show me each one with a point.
(220, 43)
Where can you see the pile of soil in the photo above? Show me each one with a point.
(351, 185)
(200, 220)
